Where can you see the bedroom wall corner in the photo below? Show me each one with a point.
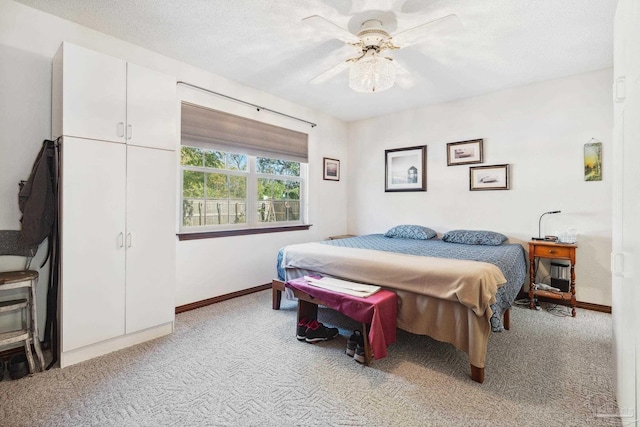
(540, 130)
(28, 41)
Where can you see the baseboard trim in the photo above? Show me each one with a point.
(209, 301)
(7, 354)
(579, 304)
(593, 307)
(19, 349)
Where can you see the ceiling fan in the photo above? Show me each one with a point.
(371, 68)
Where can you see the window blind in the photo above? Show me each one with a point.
(216, 130)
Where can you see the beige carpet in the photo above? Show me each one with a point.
(238, 363)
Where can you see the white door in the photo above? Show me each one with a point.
(151, 237)
(94, 95)
(631, 250)
(151, 108)
(93, 253)
(622, 288)
(626, 210)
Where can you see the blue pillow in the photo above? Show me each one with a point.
(417, 232)
(474, 237)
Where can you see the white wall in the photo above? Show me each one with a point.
(205, 268)
(540, 130)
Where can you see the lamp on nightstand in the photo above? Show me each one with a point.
(540, 221)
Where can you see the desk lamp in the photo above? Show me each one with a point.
(540, 221)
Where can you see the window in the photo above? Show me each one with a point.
(278, 190)
(214, 187)
(222, 190)
(239, 173)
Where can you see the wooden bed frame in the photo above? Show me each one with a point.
(477, 373)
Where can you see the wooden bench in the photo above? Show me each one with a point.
(309, 300)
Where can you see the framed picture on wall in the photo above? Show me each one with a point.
(331, 169)
(405, 169)
(464, 152)
(593, 161)
(495, 177)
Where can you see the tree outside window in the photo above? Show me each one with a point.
(215, 188)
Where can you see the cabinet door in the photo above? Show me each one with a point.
(626, 254)
(630, 239)
(151, 108)
(93, 253)
(93, 94)
(151, 237)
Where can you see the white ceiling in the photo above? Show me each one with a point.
(263, 44)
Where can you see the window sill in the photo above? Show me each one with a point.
(244, 232)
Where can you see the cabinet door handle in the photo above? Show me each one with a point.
(619, 90)
(121, 239)
(129, 131)
(617, 264)
(120, 129)
(129, 240)
(551, 251)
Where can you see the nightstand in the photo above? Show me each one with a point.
(552, 250)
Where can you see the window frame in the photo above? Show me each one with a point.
(252, 225)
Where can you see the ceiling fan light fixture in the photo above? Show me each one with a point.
(372, 73)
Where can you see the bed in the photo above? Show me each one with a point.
(453, 292)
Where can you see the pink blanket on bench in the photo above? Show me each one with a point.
(378, 310)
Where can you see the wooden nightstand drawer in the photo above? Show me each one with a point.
(554, 251)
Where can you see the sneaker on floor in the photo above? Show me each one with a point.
(353, 341)
(301, 330)
(359, 355)
(316, 332)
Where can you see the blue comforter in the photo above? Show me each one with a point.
(509, 258)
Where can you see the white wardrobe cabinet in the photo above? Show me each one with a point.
(118, 190)
(118, 246)
(100, 97)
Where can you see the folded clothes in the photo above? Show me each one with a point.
(343, 286)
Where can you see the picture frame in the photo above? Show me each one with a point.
(331, 169)
(593, 161)
(464, 152)
(405, 169)
(493, 177)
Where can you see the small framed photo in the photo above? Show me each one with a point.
(331, 169)
(593, 161)
(495, 177)
(464, 152)
(405, 169)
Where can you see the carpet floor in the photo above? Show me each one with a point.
(238, 363)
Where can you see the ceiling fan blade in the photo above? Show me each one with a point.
(422, 32)
(331, 72)
(330, 29)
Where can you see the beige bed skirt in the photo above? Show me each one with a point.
(446, 299)
(446, 321)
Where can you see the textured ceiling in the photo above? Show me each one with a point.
(263, 44)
